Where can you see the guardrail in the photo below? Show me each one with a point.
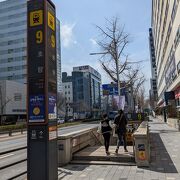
(75, 141)
(10, 132)
(142, 145)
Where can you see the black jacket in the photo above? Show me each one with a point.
(105, 126)
(120, 123)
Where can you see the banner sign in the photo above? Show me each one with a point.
(52, 109)
(36, 108)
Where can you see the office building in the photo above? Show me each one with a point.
(153, 80)
(166, 33)
(13, 42)
(12, 101)
(86, 91)
(67, 91)
(58, 52)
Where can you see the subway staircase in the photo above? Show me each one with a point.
(97, 155)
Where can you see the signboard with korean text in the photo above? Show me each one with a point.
(41, 91)
(42, 75)
(112, 89)
(36, 62)
(51, 49)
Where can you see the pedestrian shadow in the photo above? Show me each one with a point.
(62, 173)
(160, 158)
(70, 169)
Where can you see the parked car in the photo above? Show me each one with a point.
(60, 121)
(70, 120)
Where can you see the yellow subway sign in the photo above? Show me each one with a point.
(51, 21)
(36, 18)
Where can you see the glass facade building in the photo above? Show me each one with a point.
(13, 52)
(13, 41)
(58, 52)
(86, 91)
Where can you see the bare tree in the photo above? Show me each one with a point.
(141, 98)
(114, 60)
(61, 103)
(3, 104)
(138, 89)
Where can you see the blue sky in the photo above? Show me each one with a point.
(79, 34)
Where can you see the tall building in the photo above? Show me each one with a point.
(58, 52)
(86, 91)
(13, 51)
(166, 33)
(153, 80)
(67, 91)
(13, 41)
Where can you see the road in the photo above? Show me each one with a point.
(10, 143)
(7, 169)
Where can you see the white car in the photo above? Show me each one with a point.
(60, 121)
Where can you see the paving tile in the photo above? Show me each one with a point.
(165, 160)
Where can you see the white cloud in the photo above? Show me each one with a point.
(93, 41)
(67, 35)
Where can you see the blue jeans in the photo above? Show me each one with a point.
(121, 139)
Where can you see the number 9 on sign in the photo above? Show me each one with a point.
(39, 37)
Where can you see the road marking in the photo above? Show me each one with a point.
(2, 157)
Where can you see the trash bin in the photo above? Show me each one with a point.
(141, 147)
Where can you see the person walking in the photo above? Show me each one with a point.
(120, 129)
(105, 127)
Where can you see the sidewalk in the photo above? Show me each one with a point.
(165, 161)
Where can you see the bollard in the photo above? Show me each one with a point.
(142, 148)
(21, 131)
(10, 133)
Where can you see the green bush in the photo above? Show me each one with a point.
(12, 127)
(69, 124)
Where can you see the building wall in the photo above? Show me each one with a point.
(81, 92)
(58, 51)
(68, 94)
(14, 94)
(13, 42)
(165, 25)
(87, 90)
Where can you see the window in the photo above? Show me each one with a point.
(17, 97)
(12, 8)
(177, 38)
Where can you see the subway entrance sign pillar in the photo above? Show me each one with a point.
(41, 91)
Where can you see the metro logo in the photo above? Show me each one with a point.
(36, 18)
(51, 21)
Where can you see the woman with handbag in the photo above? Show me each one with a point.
(105, 127)
(120, 128)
